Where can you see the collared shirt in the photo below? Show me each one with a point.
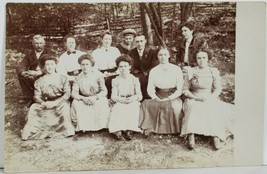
(105, 57)
(140, 52)
(165, 76)
(38, 54)
(68, 63)
(187, 44)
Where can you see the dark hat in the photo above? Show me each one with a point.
(46, 57)
(129, 31)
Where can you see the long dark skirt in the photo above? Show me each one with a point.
(162, 117)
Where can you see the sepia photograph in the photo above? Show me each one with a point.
(125, 85)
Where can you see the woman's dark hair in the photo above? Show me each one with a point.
(86, 57)
(45, 58)
(205, 50)
(68, 36)
(124, 58)
(188, 24)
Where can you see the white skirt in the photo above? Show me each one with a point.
(209, 118)
(90, 117)
(124, 117)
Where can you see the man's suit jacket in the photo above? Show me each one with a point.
(195, 44)
(146, 62)
(30, 61)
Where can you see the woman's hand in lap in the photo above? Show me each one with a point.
(49, 104)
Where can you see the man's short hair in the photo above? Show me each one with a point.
(140, 34)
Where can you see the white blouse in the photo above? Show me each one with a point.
(105, 58)
(165, 76)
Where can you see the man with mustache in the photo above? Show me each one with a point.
(28, 70)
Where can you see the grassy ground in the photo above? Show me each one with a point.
(98, 150)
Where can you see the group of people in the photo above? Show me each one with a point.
(128, 88)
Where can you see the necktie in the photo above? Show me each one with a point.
(71, 52)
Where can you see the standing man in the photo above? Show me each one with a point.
(68, 62)
(144, 59)
(128, 41)
(189, 45)
(28, 70)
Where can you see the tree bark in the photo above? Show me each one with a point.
(160, 20)
(173, 18)
(155, 27)
(154, 15)
(113, 12)
(146, 24)
(186, 8)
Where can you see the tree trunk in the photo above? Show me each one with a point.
(146, 24)
(113, 12)
(186, 8)
(155, 27)
(173, 18)
(106, 18)
(160, 20)
(116, 10)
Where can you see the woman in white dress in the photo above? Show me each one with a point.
(126, 93)
(89, 108)
(204, 113)
(162, 113)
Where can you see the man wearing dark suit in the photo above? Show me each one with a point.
(144, 59)
(189, 45)
(28, 70)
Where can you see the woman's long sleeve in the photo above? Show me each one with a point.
(37, 92)
(114, 90)
(179, 85)
(75, 89)
(151, 85)
(102, 87)
(216, 85)
(66, 90)
(137, 88)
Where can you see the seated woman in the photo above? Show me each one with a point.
(204, 113)
(49, 116)
(161, 113)
(126, 92)
(89, 108)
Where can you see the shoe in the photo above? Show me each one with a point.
(147, 133)
(118, 135)
(129, 135)
(217, 143)
(191, 141)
